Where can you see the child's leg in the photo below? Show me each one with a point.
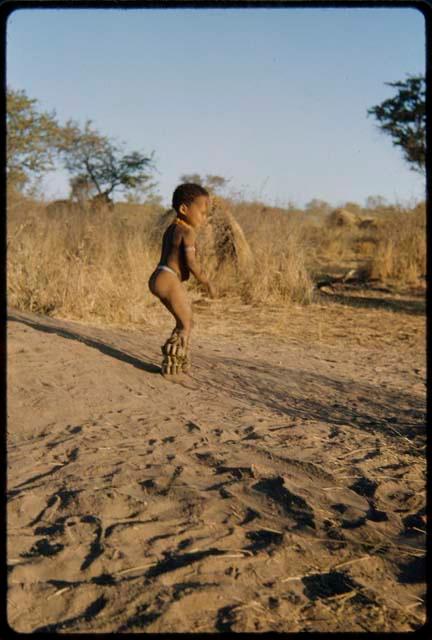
(176, 348)
(172, 294)
(178, 305)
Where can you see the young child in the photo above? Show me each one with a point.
(190, 202)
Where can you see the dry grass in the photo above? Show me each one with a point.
(390, 247)
(401, 247)
(96, 266)
(87, 267)
(270, 265)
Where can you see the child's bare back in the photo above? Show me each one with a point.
(177, 261)
(174, 241)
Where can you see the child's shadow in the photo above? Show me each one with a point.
(90, 342)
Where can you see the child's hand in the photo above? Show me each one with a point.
(211, 291)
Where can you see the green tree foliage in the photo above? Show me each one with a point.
(376, 202)
(95, 159)
(81, 189)
(32, 137)
(316, 205)
(354, 207)
(211, 182)
(404, 118)
(192, 177)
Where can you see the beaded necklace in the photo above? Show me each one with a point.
(179, 221)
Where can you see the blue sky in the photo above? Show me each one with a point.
(274, 99)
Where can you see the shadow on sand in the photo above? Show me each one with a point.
(415, 306)
(334, 401)
(107, 349)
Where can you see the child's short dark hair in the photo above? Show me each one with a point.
(186, 194)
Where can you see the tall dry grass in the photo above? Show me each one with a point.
(401, 247)
(390, 247)
(270, 265)
(95, 267)
(279, 246)
(89, 267)
(274, 276)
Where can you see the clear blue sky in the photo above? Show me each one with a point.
(275, 99)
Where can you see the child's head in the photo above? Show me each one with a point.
(191, 201)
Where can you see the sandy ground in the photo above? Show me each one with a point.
(282, 487)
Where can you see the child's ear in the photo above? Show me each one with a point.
(183, 209)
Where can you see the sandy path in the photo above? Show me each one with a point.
(280, 489)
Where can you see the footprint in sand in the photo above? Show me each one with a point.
(412, 571)
(57, 501)
(76, 542)
(415, 523)
(43, 547)
(352, 507)
(263, 539)
(367, 488)
(350, 516)
(76, 429)
(86, 616)
(397, 499)
(292, 504)
(250, 515)
(326, 585)
(252, 434)
(236, 471)
(364, 487)
(192, 426)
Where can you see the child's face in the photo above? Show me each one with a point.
(196, 212)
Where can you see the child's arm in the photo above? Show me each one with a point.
(191, 261)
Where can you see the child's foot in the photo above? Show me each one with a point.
(175, 356)
(186, 364)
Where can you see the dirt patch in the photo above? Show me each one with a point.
(281, 489)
